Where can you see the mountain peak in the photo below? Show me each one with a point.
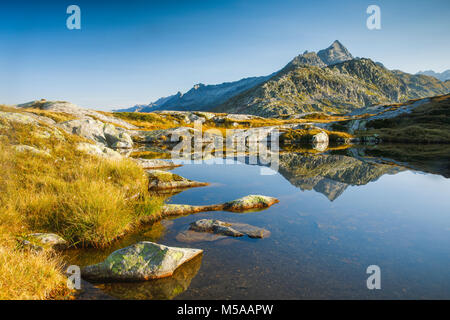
(335, 53)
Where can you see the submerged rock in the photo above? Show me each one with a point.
(231, 229)
(250, 202)
(215, 226)
(142, 261)
(160, 180)
(41, 241)
(189, 236)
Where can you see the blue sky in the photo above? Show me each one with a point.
(133, 52)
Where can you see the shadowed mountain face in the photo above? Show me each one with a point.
(330, 174)
(201, 97)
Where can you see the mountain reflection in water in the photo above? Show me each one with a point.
(380, 208)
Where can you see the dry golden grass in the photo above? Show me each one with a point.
(86, 200)
(25, 275)
(56, 116)
(428, 123)
(150, 121)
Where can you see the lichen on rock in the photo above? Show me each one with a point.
(141, 261)
(160, 180)
(43, 241)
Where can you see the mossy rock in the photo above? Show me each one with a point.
(43, 241)
(250, 202)
(160, 180)
(139, 262)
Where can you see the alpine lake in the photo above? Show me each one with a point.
(339, 213)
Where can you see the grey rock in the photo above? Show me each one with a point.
(142, 261)
(98, 151)
(231, 229)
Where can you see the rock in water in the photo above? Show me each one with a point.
(142, 261)
(160, 180)
(189, 236)
(246, 203)
(157, 289)
(228, 228)
(250, 202)
(215, 226)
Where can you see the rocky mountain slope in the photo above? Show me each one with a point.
(331, 80)
(337, 88)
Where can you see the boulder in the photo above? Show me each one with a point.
(157, 289)
(141, 261)
(251, 202)
(102, 134)
(98, 151)
(160, 180)
(117, 137)
(319, 138)
(88, 128)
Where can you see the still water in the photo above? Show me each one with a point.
(337, 215)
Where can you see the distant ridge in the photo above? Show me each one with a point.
(443, 76)
(331, 81)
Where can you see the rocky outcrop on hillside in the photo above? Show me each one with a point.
(338, 88)
(103, 134)
(74, 110)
